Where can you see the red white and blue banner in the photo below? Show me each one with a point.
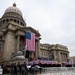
(30, 41)
(48, 62)
(42, 62)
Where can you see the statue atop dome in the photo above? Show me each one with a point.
(14, 4)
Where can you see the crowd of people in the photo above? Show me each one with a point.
(15, 69)
(18, 69)
(31, 67)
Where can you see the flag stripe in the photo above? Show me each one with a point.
(30, 41)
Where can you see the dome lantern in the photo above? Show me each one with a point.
(14, 5)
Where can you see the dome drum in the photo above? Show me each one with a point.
(9, 19)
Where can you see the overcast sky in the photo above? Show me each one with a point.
(55, 19)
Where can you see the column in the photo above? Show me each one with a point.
(54, 55)
(18, 42)
(67, 55)
(9, 45)
(37, 48)
(59, 56)
(63, 57)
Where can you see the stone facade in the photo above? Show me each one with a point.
(72, 59)
(12, 34)
(54, 52)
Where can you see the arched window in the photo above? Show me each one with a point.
(3, 21)
(18, 21)
(7, 20)
(21, 23)
(14, 20)
(11, 19)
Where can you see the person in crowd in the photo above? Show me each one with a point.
(13, 68)
(8, 68)
(32, 69)
(18, 69)
(24, 68)
(4, 69)
(40, 69)
(2, 66)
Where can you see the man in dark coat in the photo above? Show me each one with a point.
(18, 67)
(13, 68)
(24, 68)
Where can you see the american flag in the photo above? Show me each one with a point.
(30, 41)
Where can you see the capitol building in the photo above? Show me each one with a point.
(13, 30)
(56, 52)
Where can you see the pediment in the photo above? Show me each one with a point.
(33, 30)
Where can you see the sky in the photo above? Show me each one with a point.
(54, 19)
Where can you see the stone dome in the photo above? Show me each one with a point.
(19, 53)
(14, 15)
(13, 9)
(19, 56)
